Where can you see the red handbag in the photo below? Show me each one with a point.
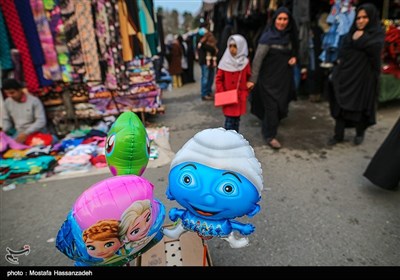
(227, 97)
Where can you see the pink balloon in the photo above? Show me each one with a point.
(108, 199)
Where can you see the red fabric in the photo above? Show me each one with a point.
(39, 138)
(18, 36)
(225, 80)
(99, 161)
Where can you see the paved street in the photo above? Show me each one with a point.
(317, 208)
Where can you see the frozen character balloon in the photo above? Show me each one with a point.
(127, 146)
(91, 233)
(216, 178)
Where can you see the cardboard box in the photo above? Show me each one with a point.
(188, 250)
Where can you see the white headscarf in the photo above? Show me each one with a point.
(239, 62)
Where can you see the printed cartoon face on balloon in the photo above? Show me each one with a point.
(101, 239)
(135, 224)
(216, 178)
(127, 146)
(112, 222)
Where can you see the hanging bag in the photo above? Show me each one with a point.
(228, 97)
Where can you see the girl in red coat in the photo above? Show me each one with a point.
(233, 65)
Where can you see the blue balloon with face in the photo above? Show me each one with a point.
(214, 197)
(211, 193)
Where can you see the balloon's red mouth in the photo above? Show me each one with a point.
(204, 213)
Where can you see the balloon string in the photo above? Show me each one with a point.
(204, 254)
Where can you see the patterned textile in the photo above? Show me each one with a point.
(51, 69)
(28, 24)
(147, 26)
(148, 100)
(104, 32)
(57, 30)
(72, 36)
(5, 54)
(117, 78)
(87, 36)
(133, 16)
(102, 26)
(127, 31)
(18, 36)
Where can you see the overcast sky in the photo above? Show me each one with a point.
(181, 6)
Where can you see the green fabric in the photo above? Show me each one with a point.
(390, 88)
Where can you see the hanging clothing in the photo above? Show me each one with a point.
(5, 53)
(28, 24)
(104, 35)
(83, 14)
(116, 77)
(152, 33)
(51, 68)
(147, 28)
(56, 25)
(72, 37)
(340, 18)
(18, 36)
(131, 37)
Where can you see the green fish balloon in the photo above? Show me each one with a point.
(127, 146)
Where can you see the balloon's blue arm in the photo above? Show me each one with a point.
(176, 213)
(244, 229)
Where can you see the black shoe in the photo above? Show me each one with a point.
(207, 97)
(333, 141)
(358, 140)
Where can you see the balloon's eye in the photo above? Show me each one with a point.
(110, 144)
(228, 188)
(90, 248)
(187, 180)
(109, 244)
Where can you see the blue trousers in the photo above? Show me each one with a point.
(207, 80)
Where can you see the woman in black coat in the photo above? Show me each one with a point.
(272, 74)
(355, 79)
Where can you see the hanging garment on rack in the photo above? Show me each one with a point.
(18, 36)
(340, 19)
(58, 33)
(51, 68)
(28, 24)
(83, 13)
(115, 76)
(132, 40)
(72, 36)
(147, 28)
(5, 50)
